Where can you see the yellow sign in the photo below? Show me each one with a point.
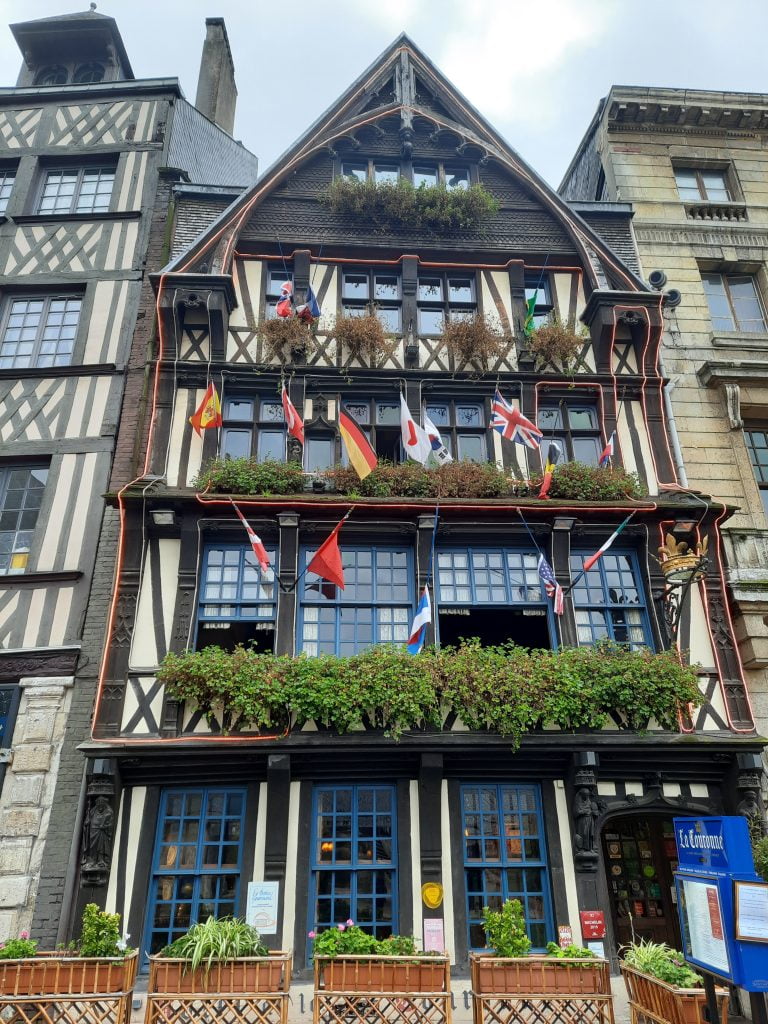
(432, 895)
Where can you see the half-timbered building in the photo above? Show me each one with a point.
(88, 159)
(353, 825)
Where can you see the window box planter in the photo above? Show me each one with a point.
(502, 987)
(667, 1004)
(175, 990)
(378, 986)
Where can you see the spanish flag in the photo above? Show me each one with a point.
(208, 413)
(358, 448)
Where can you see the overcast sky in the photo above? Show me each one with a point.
(535, 69)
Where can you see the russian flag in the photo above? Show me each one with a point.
(421, 620)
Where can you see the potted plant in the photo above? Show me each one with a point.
(479, 339)
(362, 336)
(99, 965)
(660, 982)
(288, 339)
(556, 342)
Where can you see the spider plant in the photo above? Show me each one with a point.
(216, 940)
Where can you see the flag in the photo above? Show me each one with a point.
(357, 446)
(512, 425)
(208, 413)
(421, 620)
(310, 309)
(530, 309)
(326, 561)
(554, 451)
(551, 586)
(589, 562)
(607, 453)
(293, 421)
(439, 454)
(258, 548)
(415, 441)
(284, 305)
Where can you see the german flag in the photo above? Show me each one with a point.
(358, 448)
(208, 413)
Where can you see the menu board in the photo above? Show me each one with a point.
(752, 911)
(702, 918)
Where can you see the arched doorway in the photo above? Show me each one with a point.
(639, 854)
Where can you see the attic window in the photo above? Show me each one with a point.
(53, 74)
(388, 172)
(86, 74)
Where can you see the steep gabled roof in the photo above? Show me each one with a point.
(404, 82)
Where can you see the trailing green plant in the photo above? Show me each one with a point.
(247, 476)
(399, 205)
(100, 934)
(571, 952)
(760, 853)
(662, 962)
(478, 338)
(289, 339)
(577, 481)
(362, 336)
(505, 929)
(216, 940)
(22, 948)
(505, 689)
(557, 342)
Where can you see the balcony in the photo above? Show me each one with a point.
(747, 570)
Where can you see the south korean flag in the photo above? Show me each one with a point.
(439, 455)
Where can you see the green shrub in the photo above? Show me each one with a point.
(571, 952)
(247, 476)
(343, 940)
(505, 929)
(760, 851)
(22, 948)
(101, 933)
(576, 481)
(216, 940)
(662, 962)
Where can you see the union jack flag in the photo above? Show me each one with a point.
(552, 587)
(512, 425)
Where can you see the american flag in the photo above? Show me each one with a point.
(552, 587)
(512, 425)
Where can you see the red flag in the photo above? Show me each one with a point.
(326, 561)
(293, 421)
(208, 413)
(258, 548)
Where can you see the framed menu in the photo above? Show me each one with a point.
(704, 933)
(751, 908)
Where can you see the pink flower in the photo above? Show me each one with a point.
(341, 927)
(311, 935)
(350, 923)
(24, 935)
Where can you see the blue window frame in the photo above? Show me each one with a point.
(196, 863)
(505, 857)
(237, 601)
(375, 606)
(354, 858)
(609, 600)
(489, 576)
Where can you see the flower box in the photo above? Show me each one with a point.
(246, 975)
(51, 974)
(493, 975)
(668, 1004)
(384, 974)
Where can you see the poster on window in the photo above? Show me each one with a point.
(703, 920)
(752, 911)
(261, 909)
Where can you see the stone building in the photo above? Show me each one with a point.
(351, 822)
(693, 165)
(89, 157)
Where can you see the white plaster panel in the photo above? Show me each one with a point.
(170, 551)
(569, 871)
(701, 652)
(289, 902)
(447, 865)
(143, 647)
(415, 837)
(260, 843)
(135, 820)
(247, 272)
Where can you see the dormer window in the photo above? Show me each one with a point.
(384, 172)
(87, 74)
(53, 74)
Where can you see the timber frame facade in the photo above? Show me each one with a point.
(271, 807)
(88, 158)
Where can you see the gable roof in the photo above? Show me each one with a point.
(367, 101)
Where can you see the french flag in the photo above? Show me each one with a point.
(421, 620)
(607, 453)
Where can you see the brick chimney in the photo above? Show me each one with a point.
(216, 89)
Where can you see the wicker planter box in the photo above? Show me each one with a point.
(565, 991)
(656, 1002)
(382, 989)
(245, 989)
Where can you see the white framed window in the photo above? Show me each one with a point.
(39, 330)
(77, 190)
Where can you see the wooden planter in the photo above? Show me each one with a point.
(68, 989)
(655, 1002)
(381, 989)
(505, 989)
(245, 989)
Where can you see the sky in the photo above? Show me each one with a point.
(535, 69)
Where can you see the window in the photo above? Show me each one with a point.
(77, 190)
(365, 291)
(39, 331)
(453, 176)
(575, 427)
(505, 858)
(493, 593)
(10, 697)
(319, 452)
(276, 278)
(253, 427)
(444, 297)
(609, 601)
(21, 495)
(441, 174)
(87, 74)
(734, 303)
(379, 420)
(538, 284)
(462, 426)
(354, 858)
(757, 445)
(375, 606)
(695, 185)
(237, 600)
(381, 171)
(53, 74)
(7, 178)
(197, 861)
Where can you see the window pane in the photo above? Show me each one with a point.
(386, 173)
(431, 321)
(460, 289)
(271, 445)
(238, 409)
(355, 286)
(749, 314)
(430, 289)
(386, 286)
(687, 186)
(456, 177)
(715, 185)
(586, 450)
(390, 319)
(235, 444)
(439, 415)
(719, 307)
(582, 419)
(387, 413)
(271, 412)
(472, 447)
(356, 171)
(423, 174)
(469, 416)
(318, 454)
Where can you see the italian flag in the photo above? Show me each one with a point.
(589, 562)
